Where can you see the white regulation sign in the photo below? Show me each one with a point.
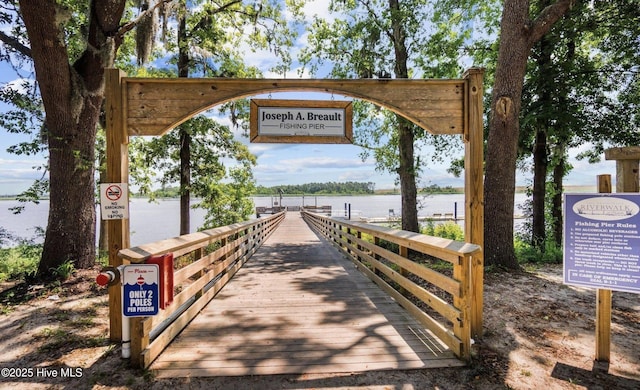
(114, 201)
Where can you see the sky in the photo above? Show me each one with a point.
(281, 164)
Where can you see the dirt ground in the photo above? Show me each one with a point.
(539, 333)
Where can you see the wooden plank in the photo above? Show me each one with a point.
(197, 89)
(288, 368)
(339, 341)
(313, 323)
(298, 306)
(156, 105)
(177, 355)
(286, 358)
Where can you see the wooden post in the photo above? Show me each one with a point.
(603, 300)
(376, 242)
(462, 327)
(117, 172)
(474, 190)
(627, 168)
(404, 252)
(627, 163)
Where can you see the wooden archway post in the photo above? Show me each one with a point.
(474, 189)
(117, 172)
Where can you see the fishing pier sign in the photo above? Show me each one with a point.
(602, 241)
(301, 121)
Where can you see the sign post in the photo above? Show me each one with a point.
(603, 300)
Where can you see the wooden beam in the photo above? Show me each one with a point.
(474, 190)
(117, 172)
(157, 105)
(623, 153)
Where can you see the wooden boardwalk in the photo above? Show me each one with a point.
(298, 306)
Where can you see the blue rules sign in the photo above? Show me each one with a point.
(140, 295)
(602, 241)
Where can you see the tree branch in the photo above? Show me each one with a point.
(15, 44)
(547, 18)
(132, 24)
(218, 10)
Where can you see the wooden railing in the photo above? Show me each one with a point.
(203, 263)
(441, 302)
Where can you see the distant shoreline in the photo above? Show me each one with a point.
(453, 191)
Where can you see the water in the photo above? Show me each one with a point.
(156, 221)
(372, 206)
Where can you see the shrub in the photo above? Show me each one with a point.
(19, 261)
(450, 230)
(526, 253)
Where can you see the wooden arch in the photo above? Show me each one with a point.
(152, 106)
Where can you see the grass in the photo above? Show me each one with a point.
(58, 338)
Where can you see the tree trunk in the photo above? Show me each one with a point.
(560, 155)
(556, 212)
(407, 178)
(540, 164)
(103, 240)
(71, 227)
(406, 169)
(517, 36)
(185, 137)
(185, 181)
(540, 148)
(72, 98)
(500, 178)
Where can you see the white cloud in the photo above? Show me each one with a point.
(317, 8)
(584, 172)
(18, 167)
(20, 85)
(324, 162)
(358, 176)
(18, 175)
